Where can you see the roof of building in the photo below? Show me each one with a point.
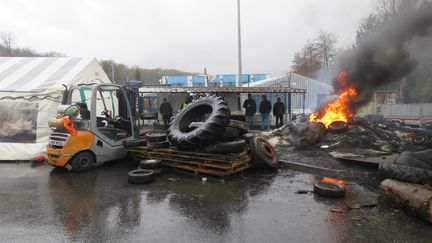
(201, 89)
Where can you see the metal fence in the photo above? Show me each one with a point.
(413, 112)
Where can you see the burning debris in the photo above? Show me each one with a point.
(381, 59)
(378, 60)
(339, 109)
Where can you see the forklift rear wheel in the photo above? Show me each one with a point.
(82, 161)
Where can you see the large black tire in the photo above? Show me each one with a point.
(242, 127)
(82, 161)
(338, 127)
(419, 139)
(230, 133)
(263, 154)
(211, 110)
(405, 173)
(421, 159)
(150, 164)
(141, 176)
(236, 146)
(163, 144)
(155, 137)
(134, 143)
(329, 189)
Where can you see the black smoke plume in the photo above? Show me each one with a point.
(383, 57)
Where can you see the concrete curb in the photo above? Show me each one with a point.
(358, 175)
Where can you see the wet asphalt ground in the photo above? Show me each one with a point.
(45, 205)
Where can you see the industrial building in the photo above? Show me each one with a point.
(316, 91)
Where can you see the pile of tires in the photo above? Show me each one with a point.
(157, 140)
(146, 172)
(205, 125)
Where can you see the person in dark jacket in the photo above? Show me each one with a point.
(278, 112)
(264, 109)
(166, 111)
(250, 110)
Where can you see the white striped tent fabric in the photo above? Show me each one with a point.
(35, 74)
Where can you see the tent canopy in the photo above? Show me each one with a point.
(30, 91)
(37, 74)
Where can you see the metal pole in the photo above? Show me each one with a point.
(289, 98)
(112, 71)
(304, 100)
(239, 46)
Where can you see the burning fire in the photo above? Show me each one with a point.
(337, 110)
(328, 179)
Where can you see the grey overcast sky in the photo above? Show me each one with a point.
(184, 34)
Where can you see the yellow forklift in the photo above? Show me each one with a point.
(93, 122)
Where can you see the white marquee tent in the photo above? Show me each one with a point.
(30, 91)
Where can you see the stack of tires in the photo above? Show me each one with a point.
(146, 171)
(157, 140)
(205, 125)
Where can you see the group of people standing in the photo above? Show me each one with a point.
(265, 108)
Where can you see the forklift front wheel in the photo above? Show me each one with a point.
(82, 161)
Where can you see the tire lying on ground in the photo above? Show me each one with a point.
(134, 143)
(420, 159)
(141, 176)
(419, 139)
(329, 189)
(263, 154)
(338, 127)
(235, 146)
(405, 173)
(155, 137)
(242, 127)
(157, 171)
(150, 164)
(212, 111)
(163, 144)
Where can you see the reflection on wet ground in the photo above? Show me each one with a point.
(42, 204)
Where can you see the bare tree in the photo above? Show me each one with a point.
(325, 44)
(8, 41)
(137, 73)
(368, 26)
(386, 9)
(307, 60)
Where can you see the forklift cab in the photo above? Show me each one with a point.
(105, 121)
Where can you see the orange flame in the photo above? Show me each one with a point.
(328, 179)
(337, 110)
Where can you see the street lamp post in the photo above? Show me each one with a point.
(239, 78)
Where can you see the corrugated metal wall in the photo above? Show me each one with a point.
(317, 91)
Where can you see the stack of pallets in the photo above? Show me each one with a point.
(213, 164)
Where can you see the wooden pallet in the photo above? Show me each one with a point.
(206, 163)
